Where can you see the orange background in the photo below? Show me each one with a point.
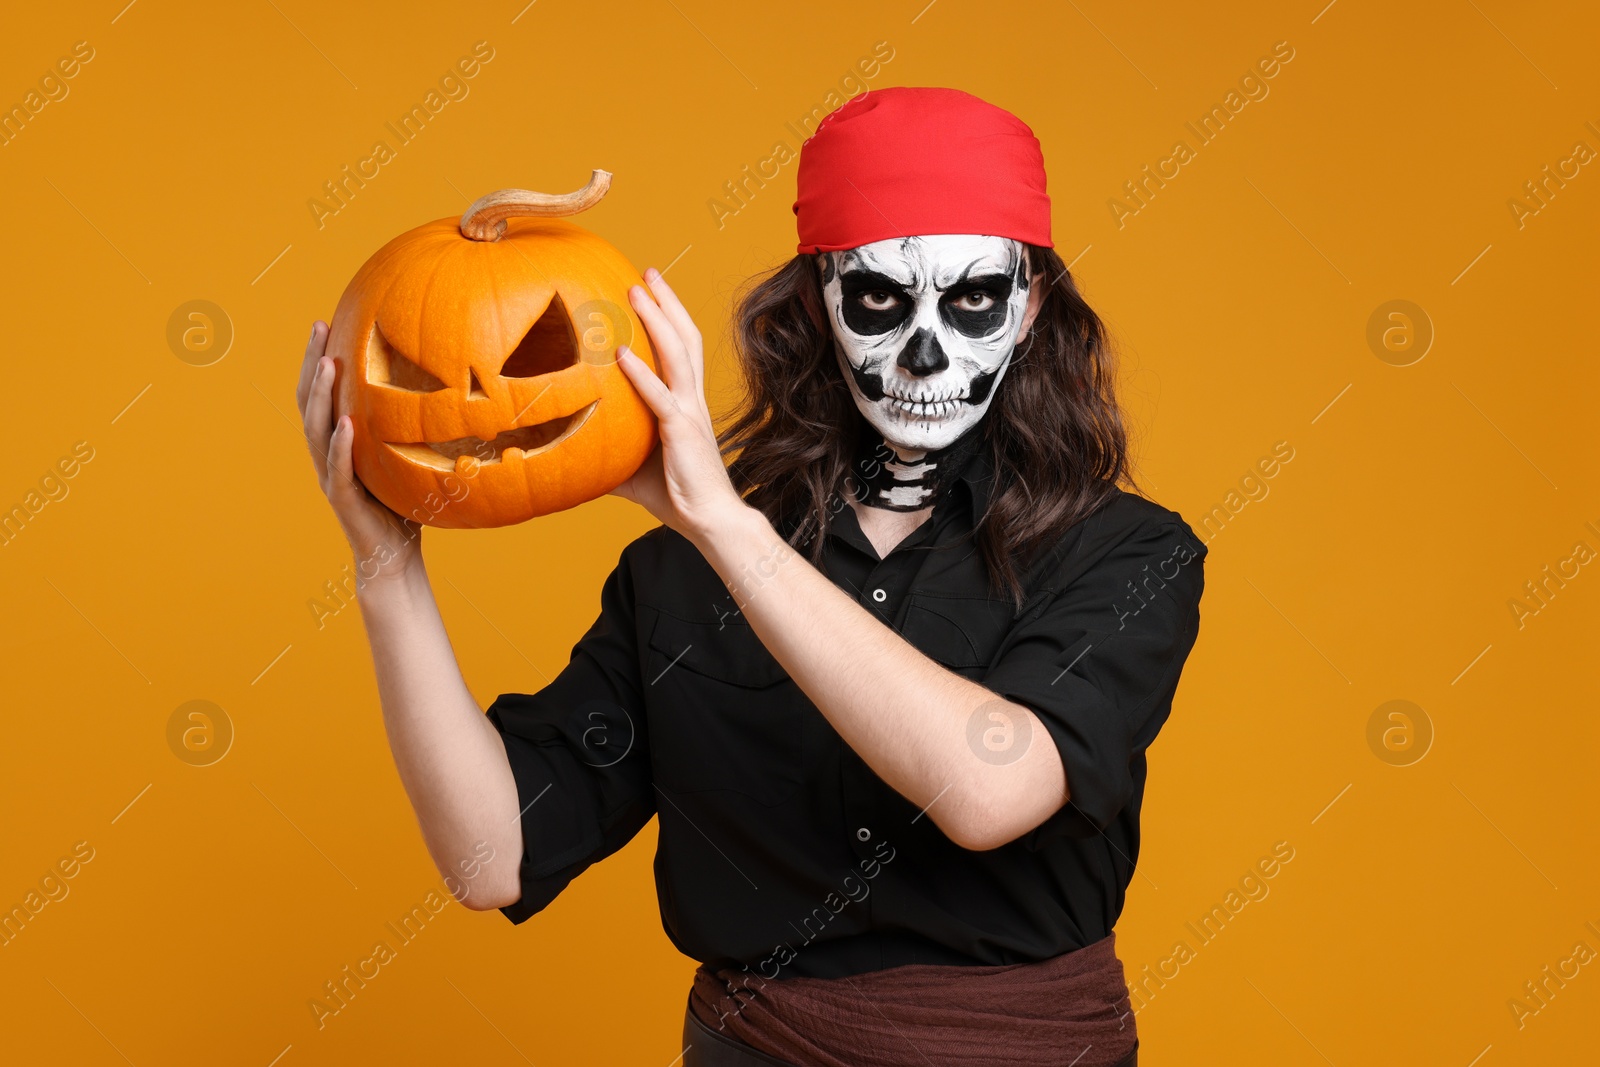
(1379, 565)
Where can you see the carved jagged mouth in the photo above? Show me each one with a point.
(512, 444)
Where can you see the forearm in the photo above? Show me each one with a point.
(451, 759)
(905, 715)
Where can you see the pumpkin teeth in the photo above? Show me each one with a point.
(518, 443)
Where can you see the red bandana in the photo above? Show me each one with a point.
(903, 162)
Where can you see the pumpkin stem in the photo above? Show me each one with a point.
(486, 219)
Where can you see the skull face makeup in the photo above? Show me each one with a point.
(924, 328)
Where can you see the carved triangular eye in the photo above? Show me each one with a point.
(386, 365)
(550, 345)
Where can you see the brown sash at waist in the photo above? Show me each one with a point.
(1071, 1009)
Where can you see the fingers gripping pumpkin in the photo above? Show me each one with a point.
(477, 360)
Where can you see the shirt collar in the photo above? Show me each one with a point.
(978, 475)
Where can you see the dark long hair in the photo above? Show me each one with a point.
(1054, 433)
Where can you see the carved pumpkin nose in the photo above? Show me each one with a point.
(477, 360)
(922, 355)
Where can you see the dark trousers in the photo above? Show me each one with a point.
(705, 1047)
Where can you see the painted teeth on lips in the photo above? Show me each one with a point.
(926, 409)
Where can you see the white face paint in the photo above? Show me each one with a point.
(925, 328)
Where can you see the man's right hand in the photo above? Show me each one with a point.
(385, 544)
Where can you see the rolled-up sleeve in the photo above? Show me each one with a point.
(579, 754)
(1100, 663)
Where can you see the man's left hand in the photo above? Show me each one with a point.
(684, 483)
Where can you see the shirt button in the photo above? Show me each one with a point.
(879, 595)
(863, 834)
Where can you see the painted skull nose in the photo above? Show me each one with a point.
(922, 355)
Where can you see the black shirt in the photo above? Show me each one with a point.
(779, 849)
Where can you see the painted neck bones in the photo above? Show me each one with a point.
(924, 328)
(881, 478)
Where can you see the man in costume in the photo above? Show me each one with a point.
(898, 778)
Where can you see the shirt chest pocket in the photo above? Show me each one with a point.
(723, 714)
(961, 633)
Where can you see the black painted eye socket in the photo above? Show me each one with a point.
(978, 306)
(873, 303)
(975, 313)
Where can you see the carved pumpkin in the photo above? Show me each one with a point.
(477, 360)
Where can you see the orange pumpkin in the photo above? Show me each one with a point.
(477, 358)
